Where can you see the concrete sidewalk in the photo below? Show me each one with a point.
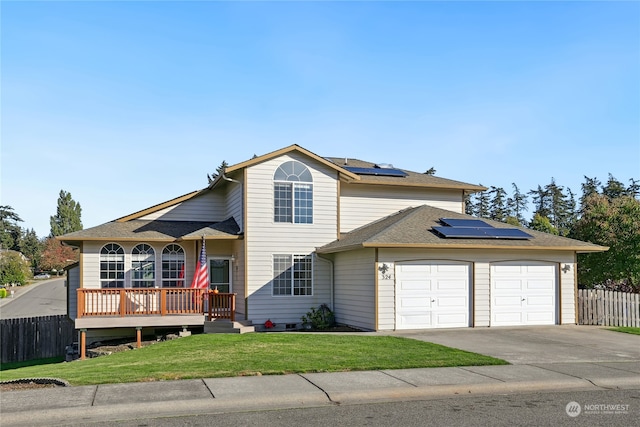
(112, 402)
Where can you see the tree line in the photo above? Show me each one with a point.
(22, 253)
(606, 214)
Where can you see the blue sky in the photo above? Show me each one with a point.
(129, 104)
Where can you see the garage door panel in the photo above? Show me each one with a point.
(540, 318)
(415, 285)
(452, 320)
(540, 301)
(503, 284)
(523, 294)
(432, 295)
(541, 284)
(451, 268)
(540, 269)
(409, 270)
(508, 318)
(416, 321)
(452, 302)
(452, 285)
(412, 303)
(507, 301)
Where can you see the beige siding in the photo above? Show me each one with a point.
(265, 238)
(234, 203)
(91, 264)
(210, 206)
(481, 276)
(362, 204)
(354, 289)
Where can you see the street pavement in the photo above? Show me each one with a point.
(554, 358)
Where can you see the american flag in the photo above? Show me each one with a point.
(201, 277)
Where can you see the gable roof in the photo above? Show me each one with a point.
(155, 230)
(289, 149)
(412, 228)
(413, 179)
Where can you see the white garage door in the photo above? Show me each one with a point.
(432, 294)
(523, 293)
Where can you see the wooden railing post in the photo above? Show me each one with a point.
(163, 302)
(123, 302)
(80, 303)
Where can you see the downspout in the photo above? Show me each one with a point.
(331, 298)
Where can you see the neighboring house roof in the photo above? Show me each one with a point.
(413, 179)
(147, 230)
(412, 228)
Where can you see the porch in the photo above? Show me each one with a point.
(151, 307)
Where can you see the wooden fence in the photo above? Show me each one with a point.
(31, 338)
(608, 308)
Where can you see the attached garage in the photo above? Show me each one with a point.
(433, 294)
(524, 293)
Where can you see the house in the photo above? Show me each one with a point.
(385, 248)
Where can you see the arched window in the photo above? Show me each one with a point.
(173, 266)
(112, 266)
(143, 266)
(293, 193)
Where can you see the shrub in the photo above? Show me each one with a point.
(3, 293)
(319, 318)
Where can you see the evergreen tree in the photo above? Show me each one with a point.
(219, 170)
(10, 231)
(468, 204)
(31, 247)
(589, 186)
(67, 217)
(613, 189)
(430, 171)
(517, 205)
(633, 190)
(498, 210)
(540, 200)
(481, 208)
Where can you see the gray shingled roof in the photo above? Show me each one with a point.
(412, 227)
(412, 178)
(156, 230)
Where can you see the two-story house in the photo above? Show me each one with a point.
(384, 248)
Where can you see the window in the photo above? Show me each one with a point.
(173, 266)
(143, 266)
(112, 266)
(293, 275)
(293, 193)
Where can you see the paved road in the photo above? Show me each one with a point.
(47, 298)
(532, 409)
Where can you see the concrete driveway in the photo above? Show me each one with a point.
(538, 344)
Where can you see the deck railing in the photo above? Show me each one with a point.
(221, 306)
(153, 301)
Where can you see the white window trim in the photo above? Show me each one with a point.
(292, 284)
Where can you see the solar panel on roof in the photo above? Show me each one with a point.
(461, 232)
(376, 171)
(508, 233)
(462, 228)
(457, 222)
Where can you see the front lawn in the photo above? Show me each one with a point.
(626, 329)
(227, 355)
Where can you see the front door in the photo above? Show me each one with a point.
(220, 274)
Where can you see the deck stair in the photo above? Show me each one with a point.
(225, 326)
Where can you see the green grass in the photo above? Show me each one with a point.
(626, 329)
(226, 355)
